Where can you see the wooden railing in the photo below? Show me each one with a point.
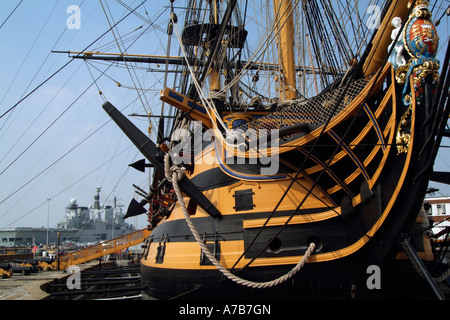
(101, 249)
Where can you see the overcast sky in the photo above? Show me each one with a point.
(58, 143)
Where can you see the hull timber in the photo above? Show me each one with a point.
(360, 231)
(343, 173)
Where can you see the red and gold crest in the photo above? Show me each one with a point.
(420, 35)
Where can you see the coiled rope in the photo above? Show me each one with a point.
(175, 174)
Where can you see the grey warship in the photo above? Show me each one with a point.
(81, 225)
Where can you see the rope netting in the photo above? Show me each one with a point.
(314, 111)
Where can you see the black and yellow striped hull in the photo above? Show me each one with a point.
(358, 194)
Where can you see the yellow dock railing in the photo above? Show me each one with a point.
(102, 249)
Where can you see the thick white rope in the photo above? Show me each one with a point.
(175, 174)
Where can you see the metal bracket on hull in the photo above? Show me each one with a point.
(161, 250)
(150, 151)
(213, 247)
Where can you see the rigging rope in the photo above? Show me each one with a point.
(65, 65)
(209, 107)
(376, 76)
(116, 39)
(9, 16)
(437, 279)
(175, 174)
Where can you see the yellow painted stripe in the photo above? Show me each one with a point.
(299, 219)
(183, 255)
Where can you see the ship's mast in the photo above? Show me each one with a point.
(215, 73)
(284, 20)
(97, 199)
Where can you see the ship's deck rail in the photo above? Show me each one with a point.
(102, 249)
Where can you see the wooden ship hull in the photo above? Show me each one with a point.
(350, 226)
(345, 191)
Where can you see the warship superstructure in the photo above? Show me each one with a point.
(81, 225)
